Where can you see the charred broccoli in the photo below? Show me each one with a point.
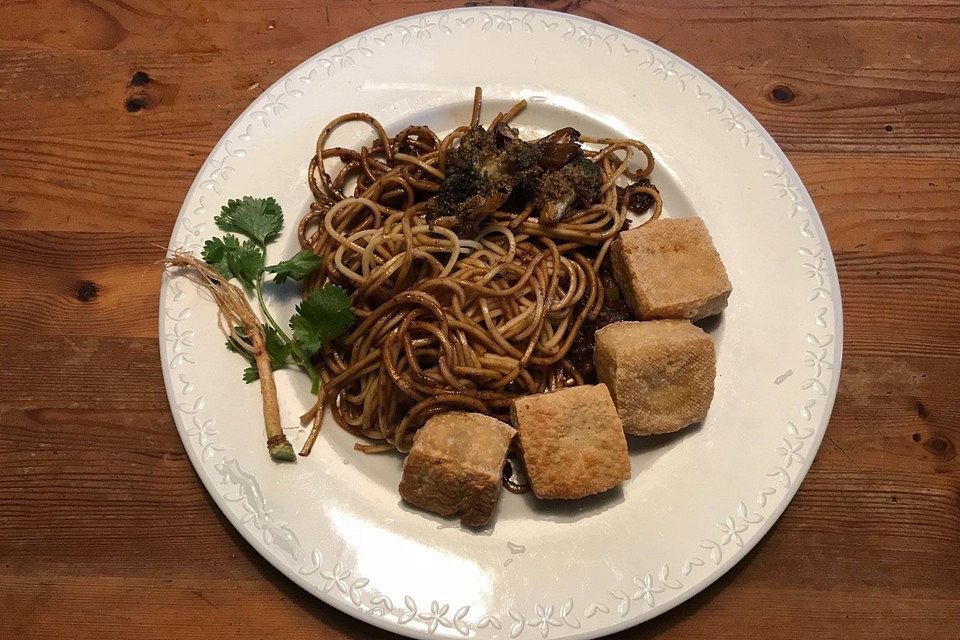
(456, 189)
(473, 146)
(486, 167)
(521, 161)
(559, 190)
(482, 171)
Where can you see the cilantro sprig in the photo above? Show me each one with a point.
(298, 267)
(233, 259)
(260, 219)
(322, 316)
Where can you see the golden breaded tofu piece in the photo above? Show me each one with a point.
(455, 464)
(669, 268)
(661, 373)
(572, 441)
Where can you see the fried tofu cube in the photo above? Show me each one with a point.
(455, 466)
(572, 442)
(669, 268)
(660, 372)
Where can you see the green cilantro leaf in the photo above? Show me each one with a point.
(245, 263)
(278, 349)
(323, 316)
(298, 267)
(234, 260)
(260, 219)
(215, 251)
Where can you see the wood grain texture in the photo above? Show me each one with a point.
(105, 531)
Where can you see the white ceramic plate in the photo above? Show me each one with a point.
(696, 502)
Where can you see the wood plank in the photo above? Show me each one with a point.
(194, 98)
(875, 204)
(888, 465)
(912, 89)
(792, 557)
(80, 372)
(910, 203)
(831, 30)
(113, 185)
(162, 608)
(121, 301)
(895, 414)
(896, 305)
(182, 26)
(888, 510)
(155, 501)
(79, 284)
(872, 111)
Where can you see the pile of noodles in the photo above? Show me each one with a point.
(449, 323)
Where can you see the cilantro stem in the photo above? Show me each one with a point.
(237, 312)
(302, 358)
(266, 312)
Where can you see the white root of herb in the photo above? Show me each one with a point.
(239, 322)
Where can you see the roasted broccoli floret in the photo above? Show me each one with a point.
(456, 189)
(521, 161)
(486, 167)
(471, 149)
(480, 177)
(559, 190)
(587, 179)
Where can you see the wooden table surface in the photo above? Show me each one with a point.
(109, 107)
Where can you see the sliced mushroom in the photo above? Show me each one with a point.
(492, 202)
(553, 211)
(472, 212)
(504, 133)
(557, 155)
(558, 148)
(560, 136)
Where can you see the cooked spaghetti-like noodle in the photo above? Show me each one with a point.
(449, 322)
